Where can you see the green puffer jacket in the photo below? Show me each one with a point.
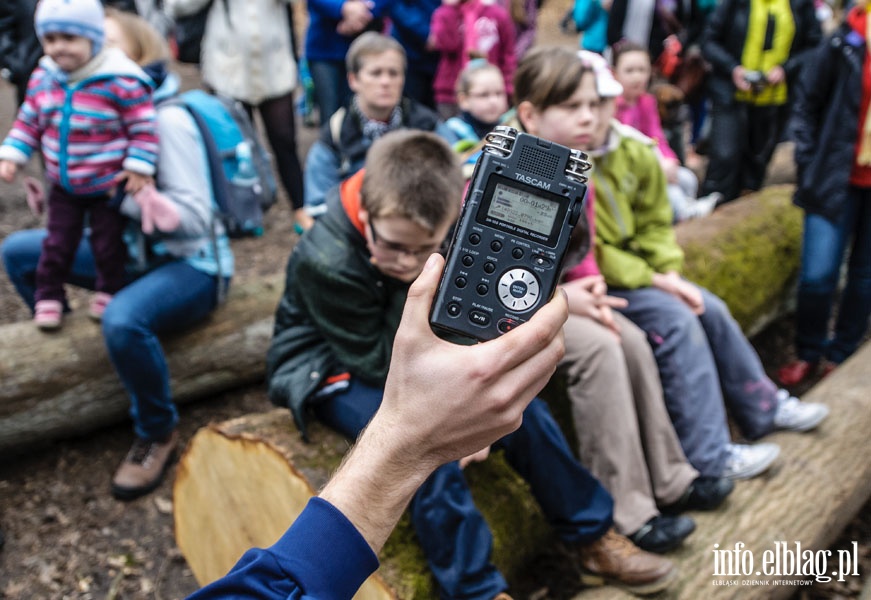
(634, 232)
(338, 314)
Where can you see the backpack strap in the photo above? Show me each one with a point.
(336, 121)
(218, 182)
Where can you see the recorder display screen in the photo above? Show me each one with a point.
(523, 209)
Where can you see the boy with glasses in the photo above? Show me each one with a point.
(347, 282)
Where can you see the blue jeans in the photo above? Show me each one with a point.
(822, 253)
(330, 79)
(454, 536)
(703, 360)
(170, 298)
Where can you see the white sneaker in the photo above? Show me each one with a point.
(794, 415)
(746, 461)
(706, 204)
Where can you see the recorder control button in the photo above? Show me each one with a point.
(460, 282)
(517, 253)
(542, 261)
(496, 246)
(475, 239)
(518, 290)
(454, 309)
(489, 267)
(482, 289)
(479, 317)
(506, 325)
(468, 260)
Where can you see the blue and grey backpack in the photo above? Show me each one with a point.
(240, 169)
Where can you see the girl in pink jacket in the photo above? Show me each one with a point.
(462, 30)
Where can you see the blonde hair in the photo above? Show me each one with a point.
(368, 44)
(413, 175)
(146, 44)
(473, 68)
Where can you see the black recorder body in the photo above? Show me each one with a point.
(505, 259)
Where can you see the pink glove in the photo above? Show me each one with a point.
(35, 195)
(157, 210)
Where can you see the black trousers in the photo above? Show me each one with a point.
(742, 140)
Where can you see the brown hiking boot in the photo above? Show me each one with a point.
(144, 467)
(613, 559)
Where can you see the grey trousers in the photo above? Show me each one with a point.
(625, 436)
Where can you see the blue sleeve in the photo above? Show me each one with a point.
(322, 556)
(321, 175)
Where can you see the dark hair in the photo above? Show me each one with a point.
(625, 46)
(413, 175)
(548, 75)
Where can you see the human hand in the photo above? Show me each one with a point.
(442, 402)
(670, 167)
(8, 169)
(739, 79)
(135, 181)
(685, 291)
(479, 456)
(35, 195)
(447, 401)
(775, 75)
(356, 15)
(157, 210)
(587, 297)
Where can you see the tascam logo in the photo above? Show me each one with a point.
(532, 181)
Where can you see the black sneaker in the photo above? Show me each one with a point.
(704, 493)
(663, 533)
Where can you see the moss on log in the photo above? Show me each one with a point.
(747, 253)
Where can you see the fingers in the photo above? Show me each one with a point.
(531, 338)
(612, 302)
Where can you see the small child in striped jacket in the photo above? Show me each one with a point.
(89, 111)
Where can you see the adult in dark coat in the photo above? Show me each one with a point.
(20, 49)
(747, 119)
(833, 160)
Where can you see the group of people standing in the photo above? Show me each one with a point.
(653, 363)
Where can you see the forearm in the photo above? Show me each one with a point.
(376, 482)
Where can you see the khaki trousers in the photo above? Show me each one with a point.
(625, 436)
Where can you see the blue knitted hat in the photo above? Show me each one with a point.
(73, 17)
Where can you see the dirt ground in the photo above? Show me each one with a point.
(65, 535)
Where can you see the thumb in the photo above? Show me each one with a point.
(422, 291)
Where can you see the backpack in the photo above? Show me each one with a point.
(240, 169)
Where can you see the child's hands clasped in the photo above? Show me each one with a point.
(688, 293)
(588, 297)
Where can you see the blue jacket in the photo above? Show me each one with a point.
(322, 556)
(410, 21)
(322, 41)
(592, 19)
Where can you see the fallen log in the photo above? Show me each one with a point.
(55, 385)
(59, 385)
(242, 483)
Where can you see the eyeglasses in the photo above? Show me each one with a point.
(400, 250)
